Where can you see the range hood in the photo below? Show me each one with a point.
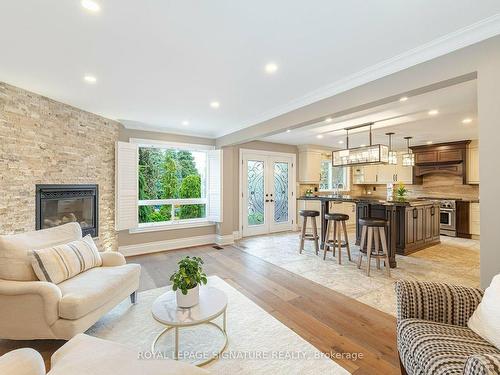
(443, 158)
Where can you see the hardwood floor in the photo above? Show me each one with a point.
(332, 322)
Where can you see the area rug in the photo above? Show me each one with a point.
(258, 343)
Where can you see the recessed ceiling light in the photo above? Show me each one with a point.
(271, 68)
(403, 99)
(319, 136)
(466, 120)
(433, 112)
(90, 79)
(429, 142)
(288, 130)
(341, 142)
(91, 5)
(215, 104)
(328, 119)
(185, 122)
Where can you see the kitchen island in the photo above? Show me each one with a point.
(412, 225)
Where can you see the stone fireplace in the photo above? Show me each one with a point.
(61, 204)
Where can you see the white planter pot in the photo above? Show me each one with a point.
(190, 299)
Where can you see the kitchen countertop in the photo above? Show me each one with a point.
(367, 199)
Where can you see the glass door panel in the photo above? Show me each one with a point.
(280, 177)
(255, 192)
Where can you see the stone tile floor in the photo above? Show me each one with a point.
(454, 261)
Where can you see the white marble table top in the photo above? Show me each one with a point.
(212, 303)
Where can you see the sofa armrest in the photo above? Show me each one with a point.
(49, 293)
(24, 361)
(112, 259)
(482, 364)
(437, 302)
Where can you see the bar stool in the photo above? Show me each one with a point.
(374, 229)
(339, 221)
(308, 236)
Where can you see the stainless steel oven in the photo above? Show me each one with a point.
(448, 218)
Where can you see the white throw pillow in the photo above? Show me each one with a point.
(58, 263)
(486, 319)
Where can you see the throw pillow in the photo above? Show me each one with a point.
(485, 321)
(62, 262)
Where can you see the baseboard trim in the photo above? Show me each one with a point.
(228, 239)
(158, 246)
(236, 235)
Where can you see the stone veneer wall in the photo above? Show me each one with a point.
(43, 141)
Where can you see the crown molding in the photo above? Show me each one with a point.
(472, 34)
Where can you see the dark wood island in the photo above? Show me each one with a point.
(412, 225)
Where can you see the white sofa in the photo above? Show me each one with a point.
(33, 309)
(86, 355)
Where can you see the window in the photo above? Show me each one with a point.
(162, 185)
(332, 177)
(172, 185)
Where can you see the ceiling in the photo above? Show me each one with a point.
(408, 118)
(159, 63)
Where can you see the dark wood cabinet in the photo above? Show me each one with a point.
(409, 228)
(419, 229)
(463, 219)
(444, 158)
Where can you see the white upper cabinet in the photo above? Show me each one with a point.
(473, 163)
(383, 173)
(309, 165)
(404, 173)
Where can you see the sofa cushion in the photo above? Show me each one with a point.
(58, 263)
(15, 249)
(91, 289)
(434, 348)
(87, 355)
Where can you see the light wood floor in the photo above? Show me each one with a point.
(329, 320)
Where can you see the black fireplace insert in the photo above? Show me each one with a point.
(61, 204)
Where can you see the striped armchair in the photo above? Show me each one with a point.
(433, 338)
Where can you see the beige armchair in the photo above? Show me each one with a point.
(32, 309)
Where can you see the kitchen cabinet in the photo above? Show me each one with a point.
(474, 219)
(309, 166)
(383, 173)
(463, 219)
(370, 173)
(420, 228)
(346, 208)
(473, 163)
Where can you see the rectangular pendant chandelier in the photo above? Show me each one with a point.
(372, 154)
(376, 154)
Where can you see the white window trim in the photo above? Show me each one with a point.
(347, 186)
(173, 224)
(164, 144)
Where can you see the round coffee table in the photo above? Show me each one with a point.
(213, 303)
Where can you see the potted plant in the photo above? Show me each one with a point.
(401, 191)
(186, 281)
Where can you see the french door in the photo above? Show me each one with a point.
(267, 192)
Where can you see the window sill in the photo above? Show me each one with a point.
(156, 227)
